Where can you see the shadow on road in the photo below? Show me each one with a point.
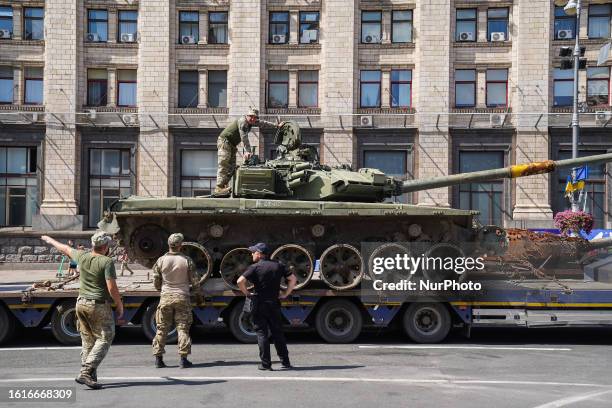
(321, 368)
(170, 381)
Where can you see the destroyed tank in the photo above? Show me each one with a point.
(312, 216)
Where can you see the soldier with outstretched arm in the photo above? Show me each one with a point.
(97, 287)
(227, 147)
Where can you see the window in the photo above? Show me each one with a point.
(308, 89)
(97, 87)
(599, 20)
(371, 27)
(33, 86)
(401, 88)
(563, 22)
(217, 89)
(391, 162)
(18, 186)
(6, 19)
(126, 87)
(595, 187)
(128, 24)
(110, 172)
(370, 89)
(309, 27)
(484, 197)
(33, 19)
(497, 22)
(97, 25)
(198, 172)
(401, 27)
(497, 87)
(279, 27)
(598, 86)
(188, 89)
(189, 26)
(278, 89)
(6, 84)
(563, 89)
(466, 25)
(217, 27)
(465, 88)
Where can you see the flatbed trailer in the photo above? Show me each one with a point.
(337, 316)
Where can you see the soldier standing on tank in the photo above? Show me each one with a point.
(174, 275)
(227, 147)
(97, 287)
(266, 276)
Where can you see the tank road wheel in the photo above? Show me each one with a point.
(299, 260)
(201, 258)
(338, 321)
(233, 264)
(150, 328)
(148, 243)
(389, 250)
(442, 250)
(64, 323)
(241, 325)
(8, 325)
(341, 267)
(427, 322)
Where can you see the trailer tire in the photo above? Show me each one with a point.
(149, 327)
(63, 323)
(8, 325)
(427, 322)
(339, 321)
(240, 326)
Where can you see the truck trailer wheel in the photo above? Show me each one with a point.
(150, 328)
(7, 325)
(63, 323)
(240, 325)
(339, 321)
(427, 322)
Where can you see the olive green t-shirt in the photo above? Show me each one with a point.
(94, 271)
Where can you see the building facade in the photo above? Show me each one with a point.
(100, 99)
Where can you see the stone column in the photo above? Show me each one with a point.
(112, 87)
(294, 27)
(113, 18)
(203, 27)
(385, 95)
(432, 79)
(203, 88)
(386, 26)
(293, 84)
(18, 85)
(18, 21)
(481, 87)
(59, 209)
(531, 75)
(154, 67)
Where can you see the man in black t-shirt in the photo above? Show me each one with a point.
(266, 276)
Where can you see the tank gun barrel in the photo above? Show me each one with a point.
(518, 170)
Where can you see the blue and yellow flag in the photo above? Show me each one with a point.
(582, 173)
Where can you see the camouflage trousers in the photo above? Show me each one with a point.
(96, 324)
(226, 162)
(173, 309)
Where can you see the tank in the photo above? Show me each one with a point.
(315, 217)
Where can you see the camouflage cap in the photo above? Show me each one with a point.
(175, 239)
(100, 238)
(253, 112)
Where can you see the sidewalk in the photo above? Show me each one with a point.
(24, 273)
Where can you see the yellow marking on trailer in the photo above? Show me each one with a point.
(531, 304)
(30, 306)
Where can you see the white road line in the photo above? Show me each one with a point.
(442, 347)
(318, 379)
(39, 348)
(563, 402)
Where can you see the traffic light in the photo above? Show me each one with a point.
(568, 51)
(569, 64)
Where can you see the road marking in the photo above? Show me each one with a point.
(319, 379)
(39, 348)
(420, 347)
(563, 402)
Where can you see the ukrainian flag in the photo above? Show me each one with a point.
(582, 173)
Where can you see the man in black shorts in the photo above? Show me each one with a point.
(266, 276)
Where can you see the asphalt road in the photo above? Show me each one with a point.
(495, 368)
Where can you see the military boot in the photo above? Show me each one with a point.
(159, 362)
(86, 379)
(222, 191)
(185, 363)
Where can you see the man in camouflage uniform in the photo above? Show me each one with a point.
(97, 287)
(227, 147)
(174, 274)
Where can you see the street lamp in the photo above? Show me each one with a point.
(572, 8)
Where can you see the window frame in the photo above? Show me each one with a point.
(224, 24)
(211, 179)
(496, 81)
(25, 20)
(361, 83)
(607, 104)
(197, 88)
(300, 83)
(12, 79)
(102, 81)
(400, 82)
(563, 17)
(190, 23)
(464, 82)
(286, 23)
(555, 80)
(371, 22)
(590, 15)
(317, 24)
(25, 86)
(209, 82)
(91, 21)
(277, 82)
(124, 20)
(119, 82)
(11, 19)
(498, 19)
(474, 19)
(32, 157)
(399, 21)
(391, 143)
